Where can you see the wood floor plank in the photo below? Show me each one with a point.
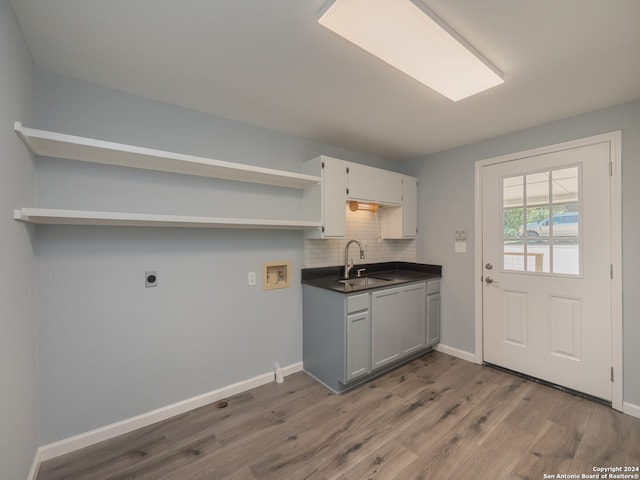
(633, 451)
(607, 439)
(537, 406)
(172, 465)
(262, 413)
(438, 460)
(281, 436)
(551, 452)
(448, 410)
(482, 420)
(405, 380)
(348, 437)
(435, 417)
(496, 456)
(383, 464)
(242, 474)
(204, 420)
(117, 455)
(573, 412)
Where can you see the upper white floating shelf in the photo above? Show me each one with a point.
(50, 216)
(60, 145)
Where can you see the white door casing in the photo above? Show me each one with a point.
(564, 328)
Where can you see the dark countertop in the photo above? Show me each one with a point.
(391, 273)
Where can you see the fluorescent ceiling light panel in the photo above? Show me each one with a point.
(411, 38)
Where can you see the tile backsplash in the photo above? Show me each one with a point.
(364, 226)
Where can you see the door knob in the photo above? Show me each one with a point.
(488, 279)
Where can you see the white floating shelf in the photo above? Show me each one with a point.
(48, 216)
(59, 145)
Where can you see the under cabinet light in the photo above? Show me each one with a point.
(354, 206)
(410, 37)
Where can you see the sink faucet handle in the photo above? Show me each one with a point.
(360, 270)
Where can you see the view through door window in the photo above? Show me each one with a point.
(541, 222)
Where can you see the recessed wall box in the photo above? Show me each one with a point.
(276, 275)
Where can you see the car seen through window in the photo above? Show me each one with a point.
(564, 225)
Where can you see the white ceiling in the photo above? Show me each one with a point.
(269, 63)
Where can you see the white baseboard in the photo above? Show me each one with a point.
(67, 445)
(631, 409)
(291, 369)
(456, 352)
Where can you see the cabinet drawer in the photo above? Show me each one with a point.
(433, 286)
(356, 303)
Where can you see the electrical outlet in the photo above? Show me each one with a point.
(151, 279)
(251, 278)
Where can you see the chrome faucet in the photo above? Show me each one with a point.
(348, 267)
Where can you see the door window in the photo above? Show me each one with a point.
(541, 222)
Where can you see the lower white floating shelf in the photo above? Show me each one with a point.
(49, 216)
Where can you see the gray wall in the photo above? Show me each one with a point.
(18, 398)
(446, 199)
(109, 348)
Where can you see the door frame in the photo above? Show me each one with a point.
(615, 143)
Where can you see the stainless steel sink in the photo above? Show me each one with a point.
(364, 281)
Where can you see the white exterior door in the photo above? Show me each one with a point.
(546, 260)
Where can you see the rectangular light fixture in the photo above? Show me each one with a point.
(410, 37)
(354, 206)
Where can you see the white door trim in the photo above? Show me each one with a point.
(615, 141)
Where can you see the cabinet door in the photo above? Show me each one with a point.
(410, 207)
(433, 319)
(413, 317)
(402, 221)
(385, 328)
(362, 182)
(358, 345)
(390, 188)
(334, 198)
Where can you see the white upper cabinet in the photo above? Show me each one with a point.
(402, 221)
(391, 190)
(363, 182)
(410, 207)
(326, 201)
(342, 181)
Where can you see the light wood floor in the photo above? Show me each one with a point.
(437, 417)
